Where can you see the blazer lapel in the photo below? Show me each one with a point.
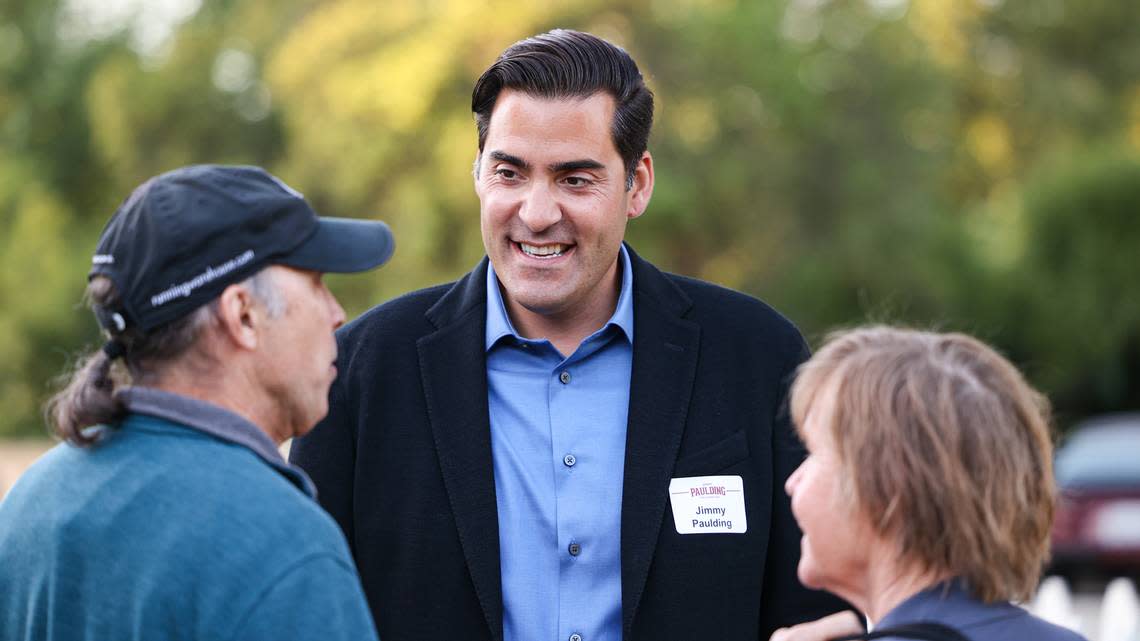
(665, 353)
(454, 374)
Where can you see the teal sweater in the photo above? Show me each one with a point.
(163, 531)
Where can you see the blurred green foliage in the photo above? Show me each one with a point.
(967, 165)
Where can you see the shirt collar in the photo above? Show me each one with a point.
(215, 421)
(499, 322)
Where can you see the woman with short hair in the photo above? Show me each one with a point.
(927, 494)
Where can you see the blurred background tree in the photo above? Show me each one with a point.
(967, 165)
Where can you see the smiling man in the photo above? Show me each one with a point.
(519, 455)
(555, 198)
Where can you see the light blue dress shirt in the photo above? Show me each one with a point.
(558, 446)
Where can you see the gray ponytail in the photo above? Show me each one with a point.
(87, 400)
(87, 395)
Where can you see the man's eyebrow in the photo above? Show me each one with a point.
(575, 165)
(507, 158)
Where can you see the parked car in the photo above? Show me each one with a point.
(1096, 529)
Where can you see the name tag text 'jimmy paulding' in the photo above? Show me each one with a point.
(708, 505)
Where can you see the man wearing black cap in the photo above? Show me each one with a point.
(170, 513)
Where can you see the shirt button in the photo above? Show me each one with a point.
(569, 460)
(575, 637)
(564, 377)
(575, 549)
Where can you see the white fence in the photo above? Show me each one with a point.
(1118, 618)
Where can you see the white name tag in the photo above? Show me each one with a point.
(708, 505)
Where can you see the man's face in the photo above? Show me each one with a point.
(554, 203)
(300, 349)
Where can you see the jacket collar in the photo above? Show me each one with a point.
(453, 372)
(665, 353)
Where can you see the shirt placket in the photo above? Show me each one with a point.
(566, 457)
(573, 459)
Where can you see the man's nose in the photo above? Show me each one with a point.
(539, 209)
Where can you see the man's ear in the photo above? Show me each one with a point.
(240, 318)
(642, 188)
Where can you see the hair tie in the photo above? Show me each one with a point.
(110, 320)
(114, 348)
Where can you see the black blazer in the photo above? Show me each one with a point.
(403, 463)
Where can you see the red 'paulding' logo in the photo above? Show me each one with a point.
(707, 490)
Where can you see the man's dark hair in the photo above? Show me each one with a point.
(565, 64)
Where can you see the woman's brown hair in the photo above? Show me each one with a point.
(945, 447)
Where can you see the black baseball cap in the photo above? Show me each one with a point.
(182, 237)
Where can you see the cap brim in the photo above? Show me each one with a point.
(343, 245)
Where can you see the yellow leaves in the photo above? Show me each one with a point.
(335, 31)
(112, 131)
(616, 28)
(1134, 118)
(679, 11)
(37, 265)
(400, 83)
(385, 62)
(694, 122)
(375, 98)
(728, 268)
(489, 27)
(942, 25)
(332, 62)
(39, 286)
(360, 84)
(989, 141)
(437, 211)
(455, 154)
